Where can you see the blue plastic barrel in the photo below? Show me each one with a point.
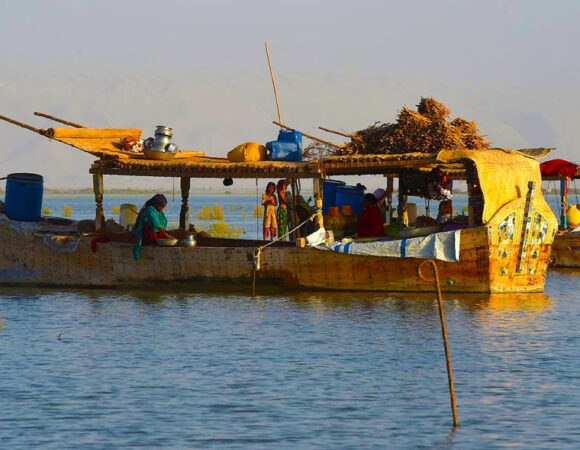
(351, 195)
(329, 194)
(23, 199)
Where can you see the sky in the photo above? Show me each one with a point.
(200, 67)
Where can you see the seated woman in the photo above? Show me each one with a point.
(151, 224)
(370, 223)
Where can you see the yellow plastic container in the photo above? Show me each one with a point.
(573, 216)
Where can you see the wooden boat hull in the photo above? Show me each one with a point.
(31, 262)
(566, 251)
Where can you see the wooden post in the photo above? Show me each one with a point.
(98, 191)
(526, 225)
(444, 334)
(390, 186)
(184, 213)
(563, 203)
(296, 234)
(317, 190)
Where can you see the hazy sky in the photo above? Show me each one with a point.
(200, 67)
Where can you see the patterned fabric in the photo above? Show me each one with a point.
(282, 219)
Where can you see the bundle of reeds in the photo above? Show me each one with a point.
(430, 129)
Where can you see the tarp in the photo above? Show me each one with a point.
(557, 167)
(503, 175)
(443, 246)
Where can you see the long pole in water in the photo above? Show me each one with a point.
(273, 82)
(444, 334)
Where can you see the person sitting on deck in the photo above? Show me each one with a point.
(269, 202)
(445, 212)
(370, 223)
(150, 224)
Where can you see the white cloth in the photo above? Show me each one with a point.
(443, 246)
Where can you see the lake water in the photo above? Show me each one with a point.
(202, 366)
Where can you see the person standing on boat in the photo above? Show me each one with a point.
(269, 203)
(282, 212)
(150, 224)
(370, 223)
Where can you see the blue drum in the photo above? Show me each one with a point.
(23, 200)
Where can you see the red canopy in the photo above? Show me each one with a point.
(560, 167)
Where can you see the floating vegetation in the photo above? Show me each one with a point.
(224, 230)
(258, 211)
(211, 213)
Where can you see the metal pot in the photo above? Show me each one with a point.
(189, 241)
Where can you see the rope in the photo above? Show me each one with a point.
(576, 191)
(257, 252)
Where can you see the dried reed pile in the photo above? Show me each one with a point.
(430, 129)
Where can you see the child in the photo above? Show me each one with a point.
(269, 202)
(445, 212)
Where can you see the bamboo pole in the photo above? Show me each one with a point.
(56, 119)
(314, 138)
(273, 82)
(294, 212)
(444, 334)
(22, 124)
(340, 133)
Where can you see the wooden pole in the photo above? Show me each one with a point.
(22, 124)
(273, 82)
(98, 191)
(340, 133)
(563, 203)
(314, 138)
(294, 212)
(444, 334)
(390, 184)
(56, 119)
(317, 190)
(526, 226)
(184, 213)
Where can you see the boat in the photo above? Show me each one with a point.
(566, 246)
(504, 246)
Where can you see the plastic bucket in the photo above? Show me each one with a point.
(329, 194)
(353, 196)
(23, 199)
(127, 215)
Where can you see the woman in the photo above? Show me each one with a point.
(150, 224)
(282, 212)
(370, 223)
(269, 203)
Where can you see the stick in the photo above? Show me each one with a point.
(294, 212)
(21, 124)
(56, 119)
(273, 82)
(314, 138)
(340, 133)
(444, 334)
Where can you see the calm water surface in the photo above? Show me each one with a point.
(199, 366)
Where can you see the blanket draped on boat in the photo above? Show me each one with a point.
(503, 176)
(443, 246)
